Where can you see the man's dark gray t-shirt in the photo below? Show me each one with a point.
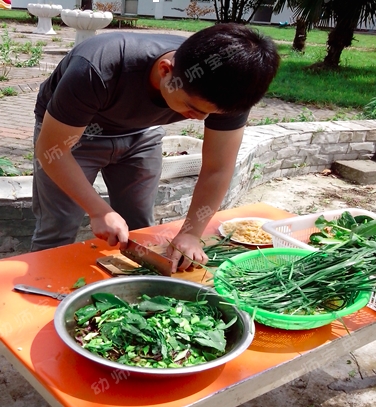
(103, 83)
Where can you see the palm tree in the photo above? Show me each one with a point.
(301, 26)
(235, 10)
(343, 15)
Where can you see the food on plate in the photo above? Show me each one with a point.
(174, 153)
(247, 231)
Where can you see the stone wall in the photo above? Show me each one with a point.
(267, 152)
(278, 150)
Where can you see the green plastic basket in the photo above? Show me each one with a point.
(256, 260)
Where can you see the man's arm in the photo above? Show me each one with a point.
(220, 150)
(68, 175)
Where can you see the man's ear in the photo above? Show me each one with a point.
(165, 67)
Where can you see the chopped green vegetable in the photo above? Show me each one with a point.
(109, 299)
(158, 332)
(84, 314)
(79, 283)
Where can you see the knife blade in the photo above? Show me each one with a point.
(148, 258)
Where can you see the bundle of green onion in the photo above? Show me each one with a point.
(222, 251)
(318, 282)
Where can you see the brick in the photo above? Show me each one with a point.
(334, 148)
(24, 88)
(16, 228)
(371, 135)
(362, 147)
(325, 138)
(345, 137)
(359, 136)
(34, 86)
(8, 212)
(286, 152)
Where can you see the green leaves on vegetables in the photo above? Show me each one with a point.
(158, 332)
(344, 231)
(84, 314)
(79, 283)
(110, 299)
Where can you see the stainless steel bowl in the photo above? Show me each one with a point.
(238, 338)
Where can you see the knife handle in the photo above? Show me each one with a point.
(35, 290)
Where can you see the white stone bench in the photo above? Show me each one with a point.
(128, 20)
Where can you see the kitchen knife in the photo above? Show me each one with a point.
(148, 258)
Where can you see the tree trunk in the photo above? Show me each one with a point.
(225, 12)
(240, 12)
(234, 10)
(216, 12)
(87, 5)
(339, 38)
(300, 36)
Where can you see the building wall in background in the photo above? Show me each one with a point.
(175, 9)
(130, 6)
(69, 4)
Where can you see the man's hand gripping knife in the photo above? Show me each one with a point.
(67, 174)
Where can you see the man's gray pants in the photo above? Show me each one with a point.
(131, 167)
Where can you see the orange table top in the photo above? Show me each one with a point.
(29, 341)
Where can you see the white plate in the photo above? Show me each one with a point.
(263, 220)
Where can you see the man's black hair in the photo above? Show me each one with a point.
(229, 65)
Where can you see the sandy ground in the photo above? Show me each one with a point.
(312, 193)
(348, 382)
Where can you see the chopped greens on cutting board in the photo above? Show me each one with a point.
(217, 249)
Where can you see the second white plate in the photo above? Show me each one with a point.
(251, 236)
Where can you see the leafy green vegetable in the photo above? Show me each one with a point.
(84, 314)
(155, 304)
(347, 230)
(109, 298)
(79, 283)
(157, 332)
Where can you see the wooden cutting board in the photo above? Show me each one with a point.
(119, 265)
